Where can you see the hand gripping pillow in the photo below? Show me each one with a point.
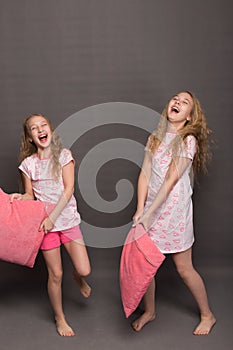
(20, 220)
(140, 260)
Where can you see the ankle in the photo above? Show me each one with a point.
(150, 313)
(206, 315)
(60, 318)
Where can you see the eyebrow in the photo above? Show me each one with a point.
(42, 122)
(185, 99)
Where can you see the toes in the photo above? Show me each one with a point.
(66, 333)
(202, 329)
(64, 330)
(138, 324)
(135, 327)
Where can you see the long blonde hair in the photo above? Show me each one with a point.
(197, 127)
(28, 148)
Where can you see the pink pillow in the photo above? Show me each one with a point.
(20, 239)
(139, 263)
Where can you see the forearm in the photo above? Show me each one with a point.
(147, 218)
(161, 196)
(142, 190)
(174, 173)
(61, 204)
(27, 196)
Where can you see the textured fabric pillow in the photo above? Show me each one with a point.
(140, 260)
(20, 239)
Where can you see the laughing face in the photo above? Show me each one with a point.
(179, 109)
(39, 132)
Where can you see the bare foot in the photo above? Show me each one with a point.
(205, 325)
(84, 287)
(142, 321)
(63, 329)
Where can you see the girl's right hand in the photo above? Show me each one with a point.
(146, 220)
(137, 216)
(46, 225)
(17, 196)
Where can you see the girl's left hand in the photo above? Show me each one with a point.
(137, 216)
(146, 220)
(17, 196)
(46, 225)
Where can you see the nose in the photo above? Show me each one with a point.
(178, 102)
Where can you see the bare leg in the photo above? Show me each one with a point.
(78, 253)
(53, 261)
(194, 282)
(149, 304)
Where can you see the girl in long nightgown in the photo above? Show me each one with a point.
(173, 151)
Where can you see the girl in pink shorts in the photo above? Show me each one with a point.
(47, 171)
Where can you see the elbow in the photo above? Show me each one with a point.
(71, 191)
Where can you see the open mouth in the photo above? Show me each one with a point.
(175, 109)
(43, 138)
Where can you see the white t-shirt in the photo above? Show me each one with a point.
(172, 227)
(48, 190)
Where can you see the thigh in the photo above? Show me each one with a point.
(71, 234)
(51, 241)
(78, 254)
(183, 260)
(53, 260)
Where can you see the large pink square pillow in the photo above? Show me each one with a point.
(140, 260)
(20, 239)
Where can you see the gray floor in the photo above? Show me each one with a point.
(26, 319)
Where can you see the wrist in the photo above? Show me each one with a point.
(27, 196)
(51, 219)
(140, 207)
(149, 212)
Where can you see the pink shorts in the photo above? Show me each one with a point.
(54, 239)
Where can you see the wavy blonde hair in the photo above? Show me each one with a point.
(28, 148)
(197, 127)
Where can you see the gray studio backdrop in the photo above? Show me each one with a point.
(102, 71)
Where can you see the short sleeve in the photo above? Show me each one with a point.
(190, 146)
(185, 148)
(66, 157)
(25, 168)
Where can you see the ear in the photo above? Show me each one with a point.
(189, 118)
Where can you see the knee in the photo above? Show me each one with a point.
(56, 276)
(84, 271)
(184, 271)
